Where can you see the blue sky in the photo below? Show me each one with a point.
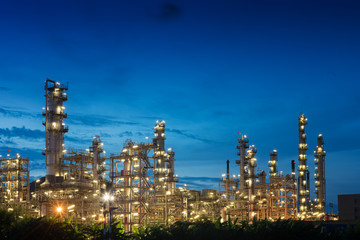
(209, 68)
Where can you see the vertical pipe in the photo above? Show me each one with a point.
(293, 168)
(227, 185)
(227, 170)
(308, 189)
(320, 183)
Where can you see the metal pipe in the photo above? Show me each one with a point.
(320, 183)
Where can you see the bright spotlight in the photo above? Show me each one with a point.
(106, 197)
(59, 209)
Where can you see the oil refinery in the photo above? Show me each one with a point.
(139, 184)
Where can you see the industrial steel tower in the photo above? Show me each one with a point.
(95, 151)
(273, 164)
(159, 152)
(303, 192)
(171, 178)
(242, 146)
(55, 128)
(252, 179)
(320, 184)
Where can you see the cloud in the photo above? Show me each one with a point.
(9, 112)
(22, 133)
(4, 89)
(167, 12)
(126, 134)
(35, 155)
(200, 182)
(189, 135)
(84, 140)
(97, 121)
(6, 142)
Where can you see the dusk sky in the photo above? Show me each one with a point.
(209, 68)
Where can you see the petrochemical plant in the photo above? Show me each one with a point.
(138, 185)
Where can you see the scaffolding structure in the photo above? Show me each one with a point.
(282, 198)
(253, 196)
(144, 183)
(14, 180)
(82, 185)
(204, 204)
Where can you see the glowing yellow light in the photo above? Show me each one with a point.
(59, 209)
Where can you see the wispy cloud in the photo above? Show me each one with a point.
(97, 121)
(130, 134)
(35, 155)
(167, 12)
(189, 135)
(22, 133)
(126, 134)
(200, 182)
(9, 112)
(4, 89)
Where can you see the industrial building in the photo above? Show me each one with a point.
(349, 207)
(138, 185)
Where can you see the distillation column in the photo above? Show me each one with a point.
(171, 168)
(242, 146)
(159, 142)
(95, 150)
(55, 129)
(273, 164)
(320, 184)
(227, 185)
(252, 178)
(303, 193)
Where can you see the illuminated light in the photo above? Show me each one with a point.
(59, 209)
(72, 206)
(106, 197)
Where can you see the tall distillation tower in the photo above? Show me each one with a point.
(320, 184)
(273, 164)
(242, 147)
(55, 129)
(303, 192)
(252, 179)
(159, 152)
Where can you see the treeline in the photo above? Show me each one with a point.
(13, 226)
